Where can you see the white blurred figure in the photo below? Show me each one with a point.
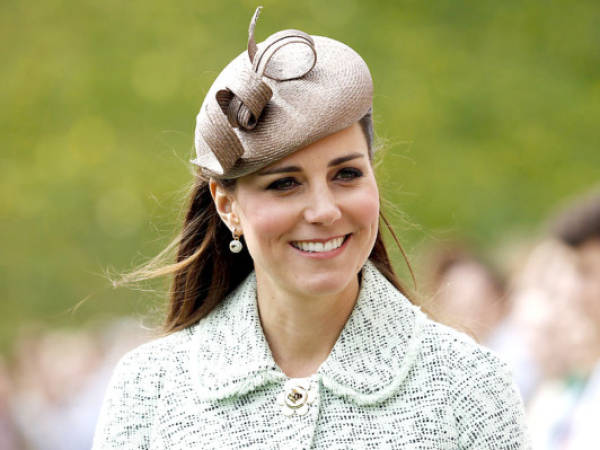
(545, 311)
(52, 369)
(62, 376)
(467, 293)
(544, 298)
(470, 296)
(578, 227)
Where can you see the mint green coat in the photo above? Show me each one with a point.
(394, 380)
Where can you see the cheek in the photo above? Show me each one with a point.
(364, 206)
(265, 219)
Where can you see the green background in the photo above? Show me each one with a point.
(488, 110)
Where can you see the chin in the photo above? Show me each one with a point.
(324, 283)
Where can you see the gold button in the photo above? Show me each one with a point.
(298, 394)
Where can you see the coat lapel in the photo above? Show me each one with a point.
(230, 355)
(370, 360)
(378, 345)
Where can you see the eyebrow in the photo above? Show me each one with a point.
(343, 159)
(333, 162)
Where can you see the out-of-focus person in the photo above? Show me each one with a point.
(566, 408)
(543, 318)
(559, 313)
(60, 379)
(467, 292)
(579, 227)
(470, 294)
(51, 370)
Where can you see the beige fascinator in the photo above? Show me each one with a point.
(277, 97)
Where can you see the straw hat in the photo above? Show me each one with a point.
(277, 97)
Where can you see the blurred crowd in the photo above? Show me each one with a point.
(52, 390)
(541, 315)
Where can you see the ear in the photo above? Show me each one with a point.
(224, 205)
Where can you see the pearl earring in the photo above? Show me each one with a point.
(235, 246)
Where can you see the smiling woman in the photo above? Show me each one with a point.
(293, 210)
(310, 222)
(300, 336)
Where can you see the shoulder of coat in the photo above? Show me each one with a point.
(455, 351)
(159, 352)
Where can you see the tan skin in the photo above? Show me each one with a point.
(326, 193)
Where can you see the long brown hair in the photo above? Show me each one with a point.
(205, 271)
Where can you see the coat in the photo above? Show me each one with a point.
(394, 380)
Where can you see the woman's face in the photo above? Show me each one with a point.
(310, 220)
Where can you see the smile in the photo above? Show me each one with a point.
(319, 246)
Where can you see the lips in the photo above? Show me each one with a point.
(320, 246)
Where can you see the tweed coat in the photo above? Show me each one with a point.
(394, 379)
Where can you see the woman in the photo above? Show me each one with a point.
(299, 337)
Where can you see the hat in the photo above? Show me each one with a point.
(278, 97)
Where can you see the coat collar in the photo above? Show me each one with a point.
(370, 360)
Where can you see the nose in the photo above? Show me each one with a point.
(322, 208)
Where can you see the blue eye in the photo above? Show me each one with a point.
(349, 173)
(283, 184)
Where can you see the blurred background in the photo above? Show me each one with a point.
(487, 114)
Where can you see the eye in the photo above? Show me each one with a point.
(283, 184)
(348, 173)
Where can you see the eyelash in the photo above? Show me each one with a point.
(287, 183)
(283, 184)
(355, 173)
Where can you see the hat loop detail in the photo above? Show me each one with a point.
(252, 47)
(274, 99)
(292, 62)
(243, 100)
(221, 138)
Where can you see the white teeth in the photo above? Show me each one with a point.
(317, 247)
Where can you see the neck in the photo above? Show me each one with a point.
(301, 330)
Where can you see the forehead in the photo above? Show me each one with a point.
(347, 141)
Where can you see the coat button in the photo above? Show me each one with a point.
(298, 394)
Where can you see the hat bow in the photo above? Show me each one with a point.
(285, 55)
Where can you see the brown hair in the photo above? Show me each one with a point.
(205, 271)
(579, 221)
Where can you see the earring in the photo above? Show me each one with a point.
(235, 246)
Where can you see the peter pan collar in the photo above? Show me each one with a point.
(370, 360)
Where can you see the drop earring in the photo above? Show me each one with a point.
(235, 246)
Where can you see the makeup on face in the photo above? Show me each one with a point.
(311, 219)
